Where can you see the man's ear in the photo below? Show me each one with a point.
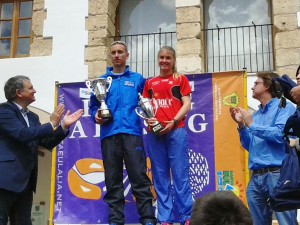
(18, 93)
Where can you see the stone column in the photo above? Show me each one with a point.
(286, 36)
(40, 46)
(100, 25)
(189, 48)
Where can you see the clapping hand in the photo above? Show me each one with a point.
(241, 116)
(57, 115)
(70, 119)
(236, 115)
(247, 117)
(295, 93)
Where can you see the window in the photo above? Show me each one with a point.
(145, 26)
(15, 28)
(238, 35)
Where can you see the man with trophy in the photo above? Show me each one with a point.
(112, 104)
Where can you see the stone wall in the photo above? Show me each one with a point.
(40, 46)
(286, 36)
(101, 26)
(189, 48)
(102, 23)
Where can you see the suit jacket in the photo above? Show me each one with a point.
(19, 146)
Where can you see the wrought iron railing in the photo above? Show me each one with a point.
(237, 48)
(143, 49)
(227, 48)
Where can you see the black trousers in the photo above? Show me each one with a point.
(129, 149)
(16, 207)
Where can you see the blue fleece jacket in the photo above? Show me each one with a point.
(121, 99)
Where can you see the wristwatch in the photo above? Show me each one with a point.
(241, 127)
(175, 122)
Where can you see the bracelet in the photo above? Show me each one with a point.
(175, 122)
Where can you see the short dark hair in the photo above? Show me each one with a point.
(120, 43)
(12, 85)
(220, 208)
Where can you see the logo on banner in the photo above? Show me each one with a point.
(84, 93)
(231, 100)
(86, 179)
(225, 181)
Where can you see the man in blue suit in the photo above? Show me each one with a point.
(21, 134)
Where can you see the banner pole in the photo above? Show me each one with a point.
(53, 170)
(247, 175)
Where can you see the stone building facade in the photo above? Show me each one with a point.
(102, 22)
(286, 36)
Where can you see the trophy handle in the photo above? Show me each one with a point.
(109, 81)
(88, 85)
(140, 113)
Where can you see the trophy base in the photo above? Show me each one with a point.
(156, 129)
(105, 114)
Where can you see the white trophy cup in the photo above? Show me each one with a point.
(147, 109)
(100, 87)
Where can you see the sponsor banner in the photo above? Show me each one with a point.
(217, 162)
(228, 91)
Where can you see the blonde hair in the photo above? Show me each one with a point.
(173, 53)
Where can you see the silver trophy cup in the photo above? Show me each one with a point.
(100, 87)
(147, 109)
